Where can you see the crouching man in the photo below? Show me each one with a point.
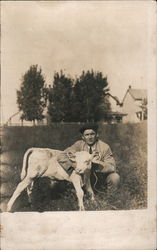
(104, 163)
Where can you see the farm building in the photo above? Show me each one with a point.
(15, 120)
(135, 105)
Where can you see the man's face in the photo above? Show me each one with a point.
(89, 136)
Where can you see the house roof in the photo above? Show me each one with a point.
(115, 98)
(138, 94)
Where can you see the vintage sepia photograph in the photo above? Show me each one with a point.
(78, 83)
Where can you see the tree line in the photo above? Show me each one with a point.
(67, 100)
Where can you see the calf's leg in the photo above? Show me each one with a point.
(88, 184)
(21, 186)
(29, 191)
(76, 180)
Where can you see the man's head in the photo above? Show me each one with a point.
(89, 133)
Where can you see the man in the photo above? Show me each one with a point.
(104, 163)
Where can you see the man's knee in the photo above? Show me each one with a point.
(113, 179)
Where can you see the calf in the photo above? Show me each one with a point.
(45, 162)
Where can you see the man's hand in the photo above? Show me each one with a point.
(96, 157)
(96, 161)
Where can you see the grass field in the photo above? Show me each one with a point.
(127, 141)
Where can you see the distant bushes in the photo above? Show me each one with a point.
(127, 141)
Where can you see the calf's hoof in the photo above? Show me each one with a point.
(8, 208)
(91, 196)
(81, 208)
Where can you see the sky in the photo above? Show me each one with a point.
(113, 37)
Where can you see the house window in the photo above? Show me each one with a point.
(139, 115)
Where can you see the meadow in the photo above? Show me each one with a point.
(129, 146)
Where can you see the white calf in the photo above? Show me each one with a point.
(43, 162)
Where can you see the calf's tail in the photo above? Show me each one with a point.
(25, 161)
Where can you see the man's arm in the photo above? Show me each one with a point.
(106, 163)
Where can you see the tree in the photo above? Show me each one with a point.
(60, 98)
(30, 96)
(89, 102)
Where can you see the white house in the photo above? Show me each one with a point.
(134, 104)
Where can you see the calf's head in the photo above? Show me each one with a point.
(82, 159)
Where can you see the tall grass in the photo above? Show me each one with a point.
(127, 141)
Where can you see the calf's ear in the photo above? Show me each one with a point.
(71, 156)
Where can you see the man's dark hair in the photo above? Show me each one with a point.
(89, 126)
